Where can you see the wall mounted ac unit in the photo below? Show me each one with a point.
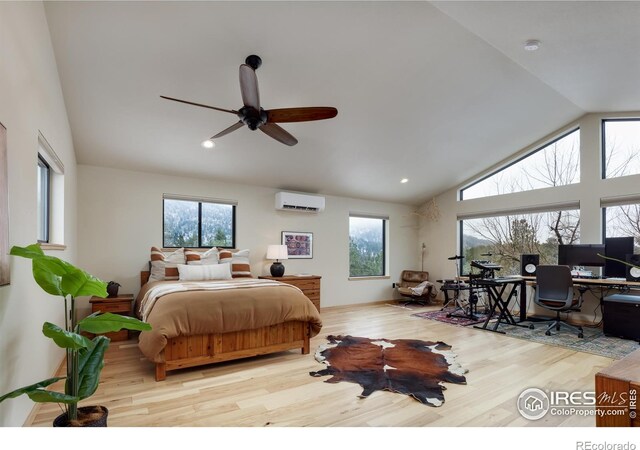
(289, 201)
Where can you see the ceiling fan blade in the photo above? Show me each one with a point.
(200, 104)
(278, 133)
(301, 114)
(233, 127)
(249, 87)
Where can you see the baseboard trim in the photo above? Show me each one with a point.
(36, 406)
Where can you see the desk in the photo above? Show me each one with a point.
(622, 285)
(497, 288)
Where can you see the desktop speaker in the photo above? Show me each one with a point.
(528, 265)
(633, 273)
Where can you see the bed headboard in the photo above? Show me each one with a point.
(144, 275)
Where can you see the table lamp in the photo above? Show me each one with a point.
(277, 252)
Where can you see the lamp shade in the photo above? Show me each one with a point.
(277, 252)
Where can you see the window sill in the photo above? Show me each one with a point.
(382, 277)
(46, 246)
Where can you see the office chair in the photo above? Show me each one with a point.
(409, 281)
(554, 291)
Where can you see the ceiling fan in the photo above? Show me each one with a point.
(255, 117)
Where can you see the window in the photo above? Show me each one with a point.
(44, 199)
(367, 246)
(620, 147)
(50, 197)
(555, 164)
(198, 223)
(502, 239)
(622, 221)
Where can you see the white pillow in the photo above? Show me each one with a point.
(204, 272)
(194, 257)
(240, 265)
(163, 264)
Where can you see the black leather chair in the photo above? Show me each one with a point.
(554, 291)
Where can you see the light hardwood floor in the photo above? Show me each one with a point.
(277, 390)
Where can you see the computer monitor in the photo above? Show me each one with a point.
(581, 255)
(619, 248)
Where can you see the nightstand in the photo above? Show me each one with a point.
(308, 284)
(122, 304)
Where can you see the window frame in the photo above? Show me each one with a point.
(46, 206)
(516, 161)
(460, 223)
(603, 209)
(56, 196)
(603, 144)
(200, 201)
(384, 246)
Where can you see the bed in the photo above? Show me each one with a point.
(199, 323)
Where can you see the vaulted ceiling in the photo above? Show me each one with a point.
(430, 91)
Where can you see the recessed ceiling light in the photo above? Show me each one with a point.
(532, 45)
(208, 143)
(404, 180)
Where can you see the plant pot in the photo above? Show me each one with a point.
(112, 289)
(88, 416)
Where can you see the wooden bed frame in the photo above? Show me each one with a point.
(202, 349)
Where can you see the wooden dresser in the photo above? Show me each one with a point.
(618, 387)
(308, 284)
(122, 304)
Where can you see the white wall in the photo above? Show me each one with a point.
(120, 218)
(31, 101)
(441, 236)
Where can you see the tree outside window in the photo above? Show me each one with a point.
(621, 147)
(508, 237)
(192, 223)
(366, 247)
(623, 221)
(555, 164)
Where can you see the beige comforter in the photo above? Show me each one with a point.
(190, 308)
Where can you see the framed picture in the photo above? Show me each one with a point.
(299, 245)
(4, 210)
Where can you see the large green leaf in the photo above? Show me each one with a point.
(30, 388)
(64, 338)
(30, 251)
(54, 265)
(48, 281)
(91, 362)
(108, 322)
(77, 283)
(58, 277)
(42, 396)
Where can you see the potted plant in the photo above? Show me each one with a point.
(85, 357)
(635, 270)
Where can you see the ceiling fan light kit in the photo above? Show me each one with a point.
(532, 45)
(208, 144)
(255, 117)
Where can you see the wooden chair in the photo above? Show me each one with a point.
(410, 279)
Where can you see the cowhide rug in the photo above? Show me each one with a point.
(407, 366)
